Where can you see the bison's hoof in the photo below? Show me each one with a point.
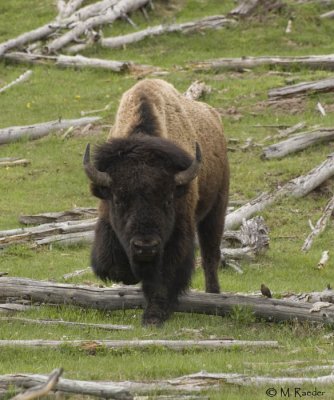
(152, 321)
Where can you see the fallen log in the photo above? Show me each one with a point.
(212, 22)
(175, 345)
(32, 36)
(300, 89)
(193, 383)
(20, 79)
(41, 231)
(13, 308)
(297, 143)
(329, 14)
(109, 390)
(80, 62)
(77, 213)
(246, 63)
(41, 390)
(32, 132)
(117, 11)
(297, 187)
(131, 297)
(320, 225)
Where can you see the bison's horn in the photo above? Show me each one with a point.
(186, 176)
(96, 176)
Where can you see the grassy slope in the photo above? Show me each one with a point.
(55, 181)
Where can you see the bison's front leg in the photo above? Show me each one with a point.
(108, 258)
(159, 305)
(162, 291)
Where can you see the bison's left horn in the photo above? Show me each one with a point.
(186, 176)
(96, 176)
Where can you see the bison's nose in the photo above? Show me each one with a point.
(145, 249)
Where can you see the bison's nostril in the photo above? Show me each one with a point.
(145, 247)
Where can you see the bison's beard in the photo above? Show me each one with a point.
(145, 268)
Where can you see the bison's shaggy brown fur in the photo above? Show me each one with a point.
(150, 208)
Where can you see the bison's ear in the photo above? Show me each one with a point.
(101, 192)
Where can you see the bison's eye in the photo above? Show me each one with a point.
(116, 201)
(169, 200)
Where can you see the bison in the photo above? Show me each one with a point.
(161, 176)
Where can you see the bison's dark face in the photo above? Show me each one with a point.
(142, 180)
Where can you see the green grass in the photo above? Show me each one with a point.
(55, 181)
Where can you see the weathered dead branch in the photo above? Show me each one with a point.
(329, 14)
(212, 22)
(320, 225)
(13, 162)
(297, 187)
(175, 345)
(67, 9)
(299, 89)
(131, 297)
(8, 308)
(107, 327)
(26, 75)
(81, 62)
(77, 213)
(48, 233)
(37, 131)
(77, 273)
(298, 142)
(43, 389)
(196, 90)
(246, 63)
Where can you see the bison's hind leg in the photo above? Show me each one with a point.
(210, 231)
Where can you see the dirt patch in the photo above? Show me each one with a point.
(292, 106)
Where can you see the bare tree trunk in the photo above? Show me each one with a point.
(27, 37)
(245, 63)
(80, 62)
(37, 131)
(298, 142)
(297, 187)
(175, 345)
(321, 86)
(128, 298)
(194, 383)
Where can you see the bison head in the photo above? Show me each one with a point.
(142, 179)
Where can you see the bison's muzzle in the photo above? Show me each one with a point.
(145, 249)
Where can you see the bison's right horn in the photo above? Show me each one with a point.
(96, 176)
(186, 176)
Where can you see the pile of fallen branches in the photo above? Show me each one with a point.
(77, 27)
